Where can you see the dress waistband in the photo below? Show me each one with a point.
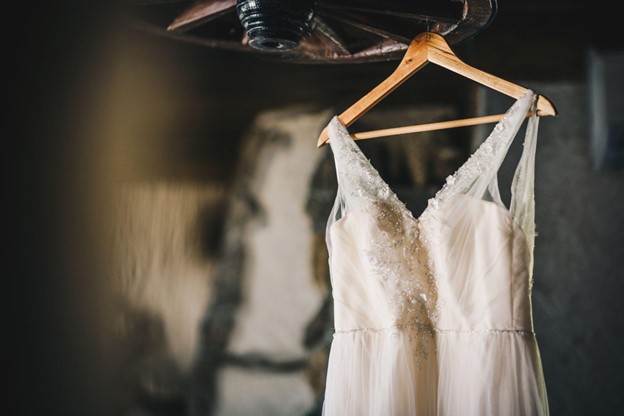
(424, 328)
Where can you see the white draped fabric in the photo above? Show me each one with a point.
(433, 314)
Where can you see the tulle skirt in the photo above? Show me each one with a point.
(415, 372)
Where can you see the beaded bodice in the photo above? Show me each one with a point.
(458, 266)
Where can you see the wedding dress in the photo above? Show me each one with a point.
(433, 314)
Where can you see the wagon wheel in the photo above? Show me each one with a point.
(340, 31)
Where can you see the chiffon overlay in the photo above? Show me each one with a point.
(433, 314)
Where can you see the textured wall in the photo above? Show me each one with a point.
(278, 294)
(161, 272)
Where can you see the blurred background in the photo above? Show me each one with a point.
(167, 207)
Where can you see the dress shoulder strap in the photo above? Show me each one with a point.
(359, 183)
(522, 206)
(477, 177)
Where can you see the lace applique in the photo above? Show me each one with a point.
(396, 255)
(398, 258)
(481, 160)
(356, 176)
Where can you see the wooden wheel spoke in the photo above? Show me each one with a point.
(200, 12)
(329, 38)
(395, 29)
(433, 10)
(385, 47)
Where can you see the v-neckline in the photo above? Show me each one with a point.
(451, 179)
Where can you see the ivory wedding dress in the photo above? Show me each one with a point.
(433, 314)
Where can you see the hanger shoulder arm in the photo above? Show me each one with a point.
(381, 91)
(440, 54)
(414, 61)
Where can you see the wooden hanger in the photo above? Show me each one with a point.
(431, 47)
